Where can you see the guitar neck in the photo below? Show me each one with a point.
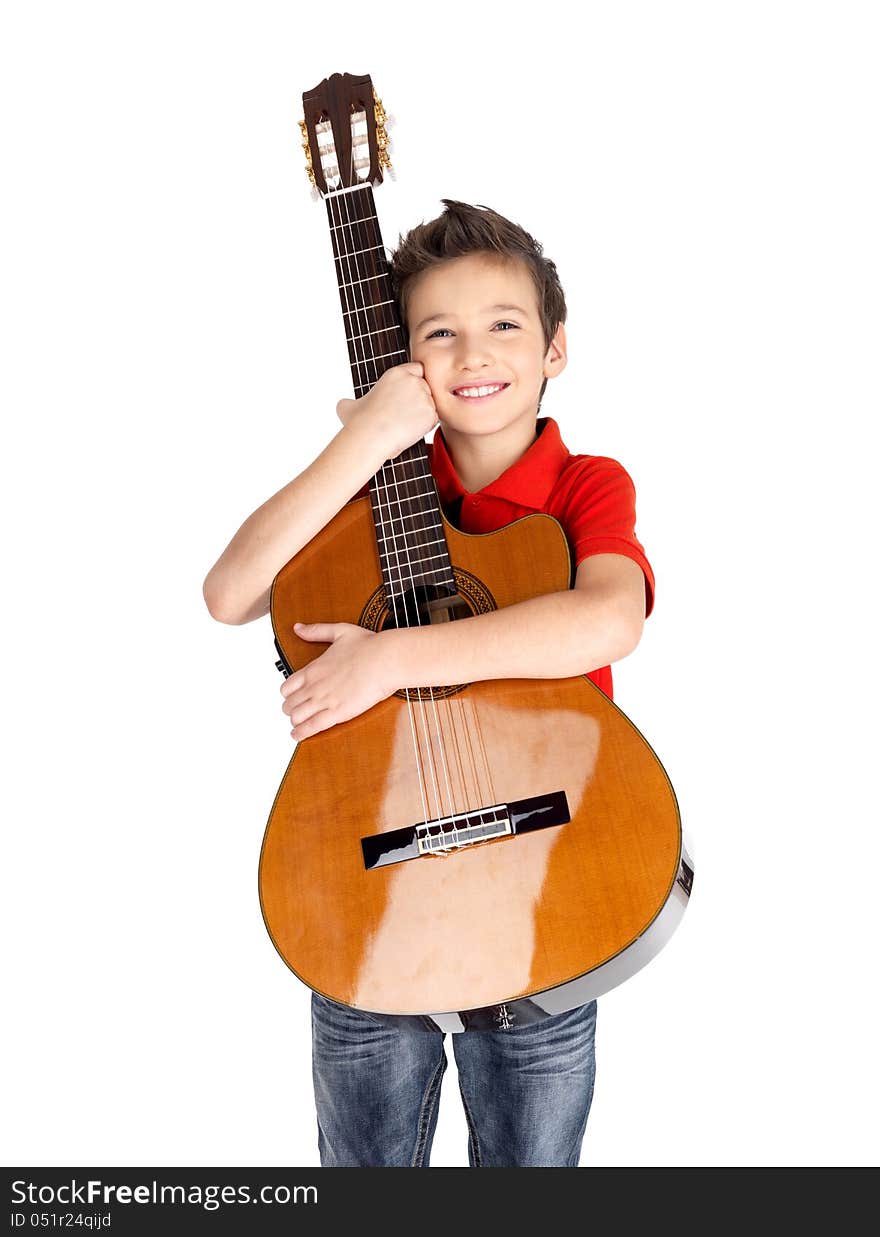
(373, 330)
(406, 509)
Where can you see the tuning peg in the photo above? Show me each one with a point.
(391, 172)
(314, 195)
(390, 119)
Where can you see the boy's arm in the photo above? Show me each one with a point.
(555, 636)
(558, 635)
(394, 414)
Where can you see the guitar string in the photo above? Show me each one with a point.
(351, 312)
(354, 311)
(447, 705)
(408, 562)
(452, 708)
(381, 484)
(456, 706)
(359, 363)
(438, 705)
(478, 728)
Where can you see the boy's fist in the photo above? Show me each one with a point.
(399, 409)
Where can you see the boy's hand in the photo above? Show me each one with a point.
(355, 673)
(398, 409)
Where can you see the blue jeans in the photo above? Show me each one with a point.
(526, 1091)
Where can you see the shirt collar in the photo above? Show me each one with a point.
(528, 482)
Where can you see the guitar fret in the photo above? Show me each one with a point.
(380, 275)
(445, 572)
(393, 330)
(418, 544)
(417, 568)
(422, 558)
(404, 568)
(416, 477)
(403, 514)
(352, 253)
(363, 308)
(369, 378)
(353, 305)
(426, 528)
(396, 352)
(380, 330)
(420, 488)
(395, 489)
(429, 496)
(340, 227)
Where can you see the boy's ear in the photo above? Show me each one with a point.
(557, 354)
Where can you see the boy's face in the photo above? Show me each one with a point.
(484, 331)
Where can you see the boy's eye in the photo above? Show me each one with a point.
(438, 333)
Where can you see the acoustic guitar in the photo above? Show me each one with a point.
(460, 857)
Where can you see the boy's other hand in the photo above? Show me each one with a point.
(356, 672)
(398, 410)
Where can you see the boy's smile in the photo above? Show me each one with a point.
(482, 392)
(476, 328)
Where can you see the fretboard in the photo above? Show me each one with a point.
(406, 509)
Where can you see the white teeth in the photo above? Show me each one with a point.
(477, 392)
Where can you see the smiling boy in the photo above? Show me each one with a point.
(484, 312)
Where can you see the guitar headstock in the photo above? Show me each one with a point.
(344, 133)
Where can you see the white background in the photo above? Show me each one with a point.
(705, 177)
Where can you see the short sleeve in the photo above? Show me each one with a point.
(599, 514)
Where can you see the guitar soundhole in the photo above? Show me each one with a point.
(426, 604)
(423, 605)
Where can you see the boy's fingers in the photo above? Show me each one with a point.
(304, 711)
(315, 724)
(292, 702)
(322, 633)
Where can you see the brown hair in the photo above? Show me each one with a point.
(463, 229)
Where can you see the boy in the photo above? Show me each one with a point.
(484, 313)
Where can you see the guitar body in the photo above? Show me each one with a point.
(469, 929)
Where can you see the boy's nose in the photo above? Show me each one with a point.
(474, 354)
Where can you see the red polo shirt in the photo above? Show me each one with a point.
(592, 497)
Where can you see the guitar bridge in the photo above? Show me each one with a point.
(445, 834)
